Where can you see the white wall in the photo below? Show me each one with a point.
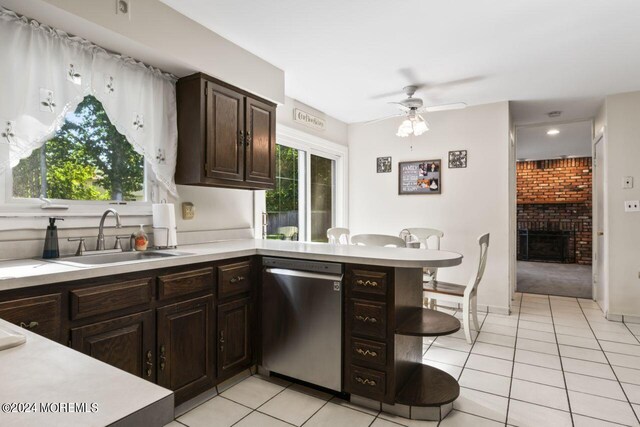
(336, 130)
(622, 155)
(159, 36)
(474, 200)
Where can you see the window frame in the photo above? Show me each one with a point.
(311, 145)
(17, 206)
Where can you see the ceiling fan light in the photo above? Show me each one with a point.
(405, 129)
(420, 127)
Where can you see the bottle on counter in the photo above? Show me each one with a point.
(141, 239)
(51, 249)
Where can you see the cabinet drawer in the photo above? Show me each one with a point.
(184, 283)
(370, 282)
(368, 352)
(234, 279)
(95, 300)
(38, 314)
(369, 318)
(367, 382)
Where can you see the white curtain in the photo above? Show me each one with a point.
(45, 73)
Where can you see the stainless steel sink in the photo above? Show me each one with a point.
(116, 257)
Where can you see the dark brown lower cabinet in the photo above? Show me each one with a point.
(185, 347)
(39, 314)
(234, 337)
(125, 342)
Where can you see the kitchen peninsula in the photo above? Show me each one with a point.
(189, 321)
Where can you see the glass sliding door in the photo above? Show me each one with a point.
(321, 197)
(283, 207)
(307, 199)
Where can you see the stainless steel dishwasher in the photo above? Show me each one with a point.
(302, 320)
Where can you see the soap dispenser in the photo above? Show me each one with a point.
(51, 249)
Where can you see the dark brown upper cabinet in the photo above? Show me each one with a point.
(226, 136)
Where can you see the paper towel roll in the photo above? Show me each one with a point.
(164, 225)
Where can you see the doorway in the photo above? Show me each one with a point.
(599, 280)
(554, 209)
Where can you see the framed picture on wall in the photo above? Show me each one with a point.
(420, 177)
(383, 164)
(457, 159)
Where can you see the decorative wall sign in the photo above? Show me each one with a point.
(420, 177)
(383, 164)
(457, 159)
(308, 119)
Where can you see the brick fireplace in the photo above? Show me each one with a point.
(554, 210)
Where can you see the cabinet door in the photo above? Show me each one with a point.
(185, 347)
(224, 133)
(125, 342)
(234, 337)
(260, 142)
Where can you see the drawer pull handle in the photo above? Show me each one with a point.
(365, 381)
(367, 319)
(163, 357)
(367, 352)
(149, 363)
(366, 283)
(30, 325)
(236, 279)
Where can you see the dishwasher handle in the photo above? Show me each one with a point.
(303, 274)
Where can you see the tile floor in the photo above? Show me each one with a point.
(556, 361)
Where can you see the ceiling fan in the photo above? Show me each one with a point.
(412, 108)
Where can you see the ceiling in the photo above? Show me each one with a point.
(574, 140)
(339, 56)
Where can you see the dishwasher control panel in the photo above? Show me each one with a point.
(303, 265)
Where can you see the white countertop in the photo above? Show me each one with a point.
(42, 371)
(32, 272)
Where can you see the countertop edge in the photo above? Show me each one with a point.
(207, 253)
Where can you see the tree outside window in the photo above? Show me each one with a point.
(87, 159)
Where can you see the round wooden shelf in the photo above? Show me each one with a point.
(424, 322)
(428, 386)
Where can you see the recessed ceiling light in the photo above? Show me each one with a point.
(553, 132)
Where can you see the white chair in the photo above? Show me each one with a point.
(423, 235)
(467, 295)
(338, 235)
(378, 240)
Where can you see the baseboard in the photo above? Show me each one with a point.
(630, 319)
(626, 318)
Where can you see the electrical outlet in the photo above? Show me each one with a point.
(123, 8)
(627, 182)
(188, 210)
(632, 206)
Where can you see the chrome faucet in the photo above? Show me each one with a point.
(100, 244)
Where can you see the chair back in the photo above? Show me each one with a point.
(422, 235)
(377, 240)
(338, 235)
(472, 286)
(289, 232)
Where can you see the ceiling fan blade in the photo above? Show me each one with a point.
(382, 118)
(387, 94)
(444, 107)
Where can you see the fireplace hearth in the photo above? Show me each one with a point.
(546, 245)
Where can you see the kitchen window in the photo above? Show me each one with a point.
(310, 189)
(87, 159)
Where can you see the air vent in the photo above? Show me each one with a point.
(554, 114)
